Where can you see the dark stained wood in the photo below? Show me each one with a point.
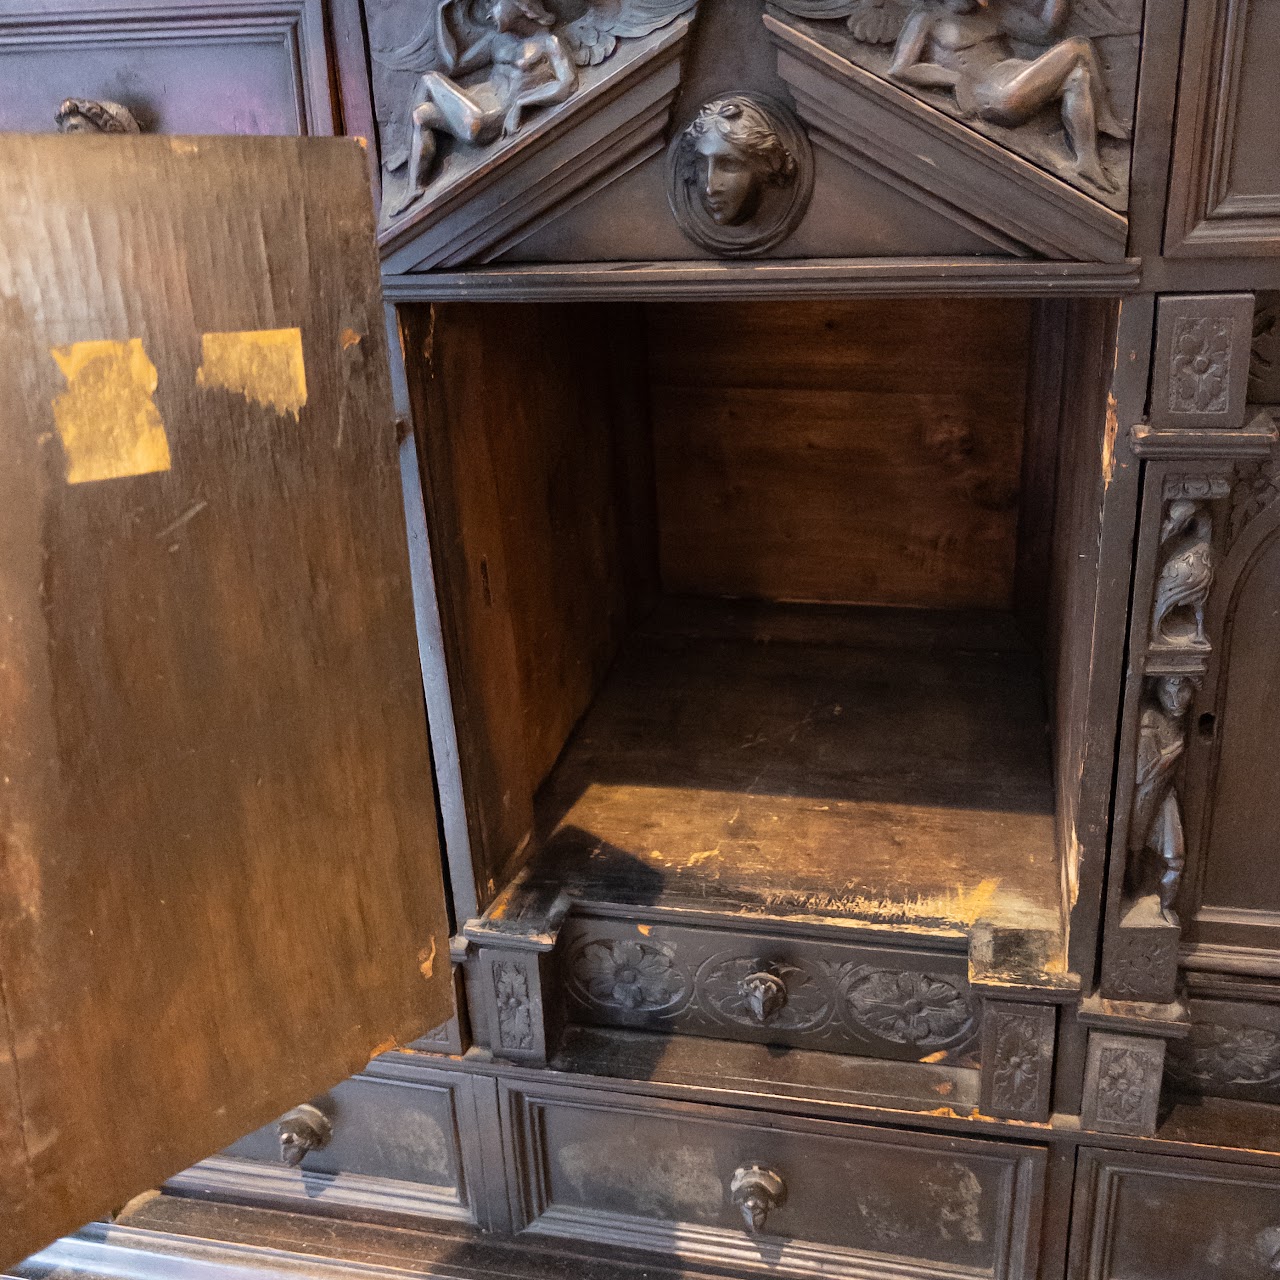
(1085, 608)
(182, 67)
(220, 889)
(880, 765)
(852, 452)
(1240, 863)
(850, 1197)
(1224, 191)
(1231, 894)
(533, 452)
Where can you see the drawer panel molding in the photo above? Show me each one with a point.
(851, 1201)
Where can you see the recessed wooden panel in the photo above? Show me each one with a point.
(857, 1201)
(220, 889)
(251, 67)
(1240, 858)
(1224, 195)
(402, 1145)
(533, 436)
(1149, 1217)
(859, 452)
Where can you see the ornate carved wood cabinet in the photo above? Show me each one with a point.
(839, 460)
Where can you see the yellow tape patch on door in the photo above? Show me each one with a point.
(263, 365)
(109, 424)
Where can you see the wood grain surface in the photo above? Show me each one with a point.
(862, 452)
(220, 888)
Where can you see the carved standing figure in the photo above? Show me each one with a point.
(964, 46)
(737, 154)
(529, 65)
(1187, 573)
(1156, 823)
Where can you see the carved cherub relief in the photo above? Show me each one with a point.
(484, 67)
(1050, 81)
(739, 174)
(966, 47)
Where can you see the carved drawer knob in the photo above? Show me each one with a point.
(305, 1128)
(756, 1190)
(764, 994)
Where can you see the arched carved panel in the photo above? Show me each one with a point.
(1232, 894)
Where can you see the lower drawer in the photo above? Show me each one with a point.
(1150, 1217)
(835, 1199)
(401, 1146)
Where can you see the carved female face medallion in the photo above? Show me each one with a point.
(739, 176)
(729, 180)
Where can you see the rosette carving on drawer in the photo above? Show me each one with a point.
(905, 1007)
(629, 976)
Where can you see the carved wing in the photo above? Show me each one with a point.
(419, 53)
(878, 21)
(594, 36)
(819, 10)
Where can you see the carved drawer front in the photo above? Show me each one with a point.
(396, 1139)
(1149, 1217)
(769, 1193)
(874, 1001)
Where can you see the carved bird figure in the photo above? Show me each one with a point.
(1187, 573)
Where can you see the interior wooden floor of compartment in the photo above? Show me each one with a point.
(815, 762)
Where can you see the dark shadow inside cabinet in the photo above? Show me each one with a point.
(768, 607)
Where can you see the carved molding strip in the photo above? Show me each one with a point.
(772, 279)
(805, 994)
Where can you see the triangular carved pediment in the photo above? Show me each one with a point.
(1015, 187)
(483, 196)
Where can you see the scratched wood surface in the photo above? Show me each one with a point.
(220, 887)
(857, 764)
(861, 451)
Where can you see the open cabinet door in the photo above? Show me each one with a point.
(220, 884)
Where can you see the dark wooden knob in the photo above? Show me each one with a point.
(756, 1190)
(305, 1128)
(763, 994)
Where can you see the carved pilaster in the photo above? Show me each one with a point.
(514, 1003)
(1017, 1060)
(1122, 1081)
(1140, 951)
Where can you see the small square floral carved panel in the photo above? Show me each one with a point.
(1123, 1076)
(1201, 375)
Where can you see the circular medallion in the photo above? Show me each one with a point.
(740, 174)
